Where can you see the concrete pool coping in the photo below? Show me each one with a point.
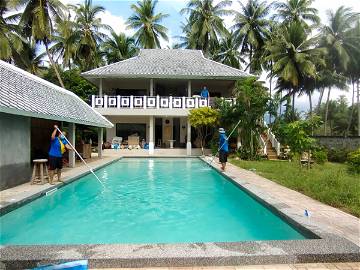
(329, 248)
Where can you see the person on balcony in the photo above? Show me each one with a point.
(205, 94)
(223, 148)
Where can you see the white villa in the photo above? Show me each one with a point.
(150, 95)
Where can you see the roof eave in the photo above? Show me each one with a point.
(159, 76)
(51, 117)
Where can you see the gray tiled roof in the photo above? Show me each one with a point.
(167, 63)
(25, 94)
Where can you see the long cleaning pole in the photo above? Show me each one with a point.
(224, 142)
(90, 169)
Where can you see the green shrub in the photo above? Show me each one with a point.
(245, 154)
(320, 156)
(338, 155)
(353, 161)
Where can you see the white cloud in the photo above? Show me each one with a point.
(118, 23)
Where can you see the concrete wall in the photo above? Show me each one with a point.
(336, 142)
(15, 166)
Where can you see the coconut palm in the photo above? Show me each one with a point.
(88, 34)
(251, 30)
(10, 38)
(65, 42)
(297, 11)
(147, 24)
(118, 47)
(30, 59)
(339, 41)
(338, 38)
(295, 57)
(37, 21)
(228, 52)
(205, 24)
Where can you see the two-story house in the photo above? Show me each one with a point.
(151, 94)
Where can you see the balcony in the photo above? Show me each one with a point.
(150, 102)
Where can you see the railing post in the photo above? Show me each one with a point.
(131, 102)
(157, 102)
(196, 102)
(118, 100)
(183, 102)
(105, 101)
(144, 102)
(170, 102)
(93, 101)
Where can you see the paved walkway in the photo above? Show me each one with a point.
(18, 193)
(307, 266)
(331, 219)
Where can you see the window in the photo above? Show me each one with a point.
(126, 129)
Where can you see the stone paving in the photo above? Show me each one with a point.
(21, 192)
(306, 266)
(331, 219)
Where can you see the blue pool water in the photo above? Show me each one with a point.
(146, 201)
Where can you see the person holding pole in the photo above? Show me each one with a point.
(223, 148)
(58, 146)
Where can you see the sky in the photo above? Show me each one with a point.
(117, 12)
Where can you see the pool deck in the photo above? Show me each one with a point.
(338, 232)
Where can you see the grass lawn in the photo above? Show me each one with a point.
(329, 183)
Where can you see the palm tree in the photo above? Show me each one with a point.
(37, 21)
(339, 41)
(88, 34)
(297, 11)
(295, 57)
(228, 52)
(147, 24)
(9, 33)
(118, 47)
(30, 60)
(205, 25)
(65, 41)
(251, 30)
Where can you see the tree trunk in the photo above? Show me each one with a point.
(352, 109)
(326, 111)
(53, 64)
(280, 103)
(310, 104)
(293, 106)
(270, 86)
(358, 105)
(322, 90)
(250, 59)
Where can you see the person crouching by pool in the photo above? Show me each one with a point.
(223, 148)
(58, 146)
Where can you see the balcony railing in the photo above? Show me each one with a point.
(150, 102)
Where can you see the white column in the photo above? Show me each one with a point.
(151, 135)
(100, 87)
(100, 141)
(188, 137)
(72, 141)
(189, 88)
(151, 87)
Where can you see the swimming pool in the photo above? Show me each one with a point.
(147, 200)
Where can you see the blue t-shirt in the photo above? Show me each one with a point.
(223, 143)
(55, 147)
(204, 93)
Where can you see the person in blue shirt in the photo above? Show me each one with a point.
(205, 93)
(223, 148)
(55, 154)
